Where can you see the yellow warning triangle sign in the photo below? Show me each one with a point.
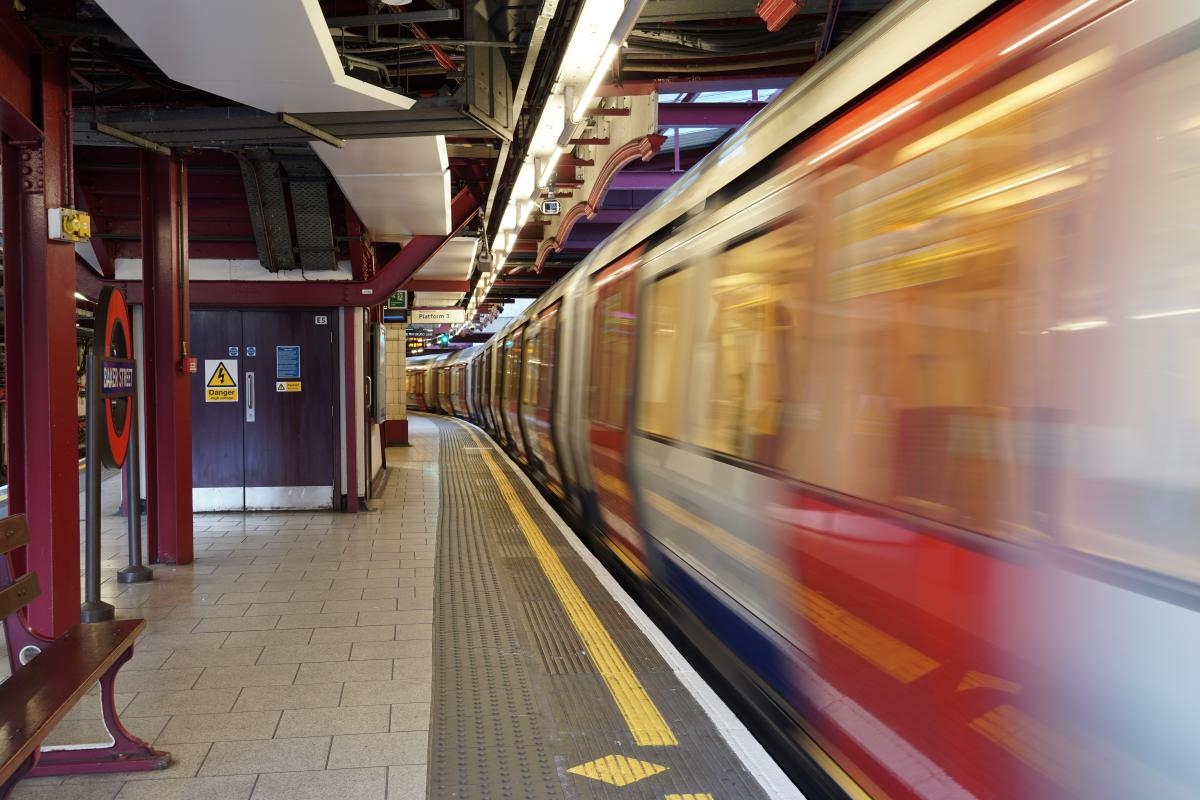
(221, 377)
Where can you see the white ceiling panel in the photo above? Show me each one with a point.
(276, 55)
(452, 262)
(436, 299)
(399, 187)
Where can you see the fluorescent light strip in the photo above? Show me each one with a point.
(610, 53)
(548, 169)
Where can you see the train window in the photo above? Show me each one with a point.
(754, 338)
(533, 371)
(938, 253)
(512, 369)
(663, 387)
(612, 346)
(546, 355)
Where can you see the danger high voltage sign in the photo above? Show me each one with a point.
(220, 380)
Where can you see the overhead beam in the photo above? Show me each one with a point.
(644, 180)
(706, 115)
(397, 272)
(396, 18)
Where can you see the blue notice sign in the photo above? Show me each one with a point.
(287, 363)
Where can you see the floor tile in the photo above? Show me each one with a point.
(407, 782)
(32, 790)
(317, 695)
(378, 749)
(237, 624)
(373, 633)
(194, 701)
(343, 784)
(272, 755)
(410, 717)
(305, 653)
(332, 721)
(157, 680)
(278, 609)
(345, 619)
(342, 672)
(234, 726)
(235, 787)
(221, 657)
(265, 675)
(371, 693)
(264, 638)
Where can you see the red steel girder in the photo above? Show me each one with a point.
(300, 293)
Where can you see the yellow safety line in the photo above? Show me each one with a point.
(645, 721)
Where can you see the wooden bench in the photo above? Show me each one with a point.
(49, 676)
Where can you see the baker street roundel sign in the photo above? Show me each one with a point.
(114, 341)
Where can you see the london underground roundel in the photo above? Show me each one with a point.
(114, 339)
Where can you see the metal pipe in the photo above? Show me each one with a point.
(311, 130)
(131, 138)
(93, 609)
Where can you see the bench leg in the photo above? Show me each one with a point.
(126, 753)
(22, 772)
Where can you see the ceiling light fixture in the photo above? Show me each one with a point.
(599, 34)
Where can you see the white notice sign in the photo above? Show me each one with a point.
(437, 316)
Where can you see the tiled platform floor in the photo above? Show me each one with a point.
(291, 660)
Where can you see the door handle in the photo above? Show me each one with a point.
(249, 397)
(369, 399)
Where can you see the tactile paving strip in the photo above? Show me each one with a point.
(520, 710)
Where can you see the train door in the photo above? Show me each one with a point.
(513, 363)
(610, 383)
(263, 413)
(538, 396)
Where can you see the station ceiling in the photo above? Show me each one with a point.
(707, 65)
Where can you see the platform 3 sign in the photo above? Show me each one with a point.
(221, 380)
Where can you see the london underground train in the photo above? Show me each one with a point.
(890, 402)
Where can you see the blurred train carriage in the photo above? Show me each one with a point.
(889, 402)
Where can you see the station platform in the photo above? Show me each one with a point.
(457, 642)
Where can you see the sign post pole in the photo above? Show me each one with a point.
(111, 436)
(136, 572)
(94, 609)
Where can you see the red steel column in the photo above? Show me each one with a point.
(39, 322)
(168, 402)
(352, 391)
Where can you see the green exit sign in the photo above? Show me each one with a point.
(397, 300)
